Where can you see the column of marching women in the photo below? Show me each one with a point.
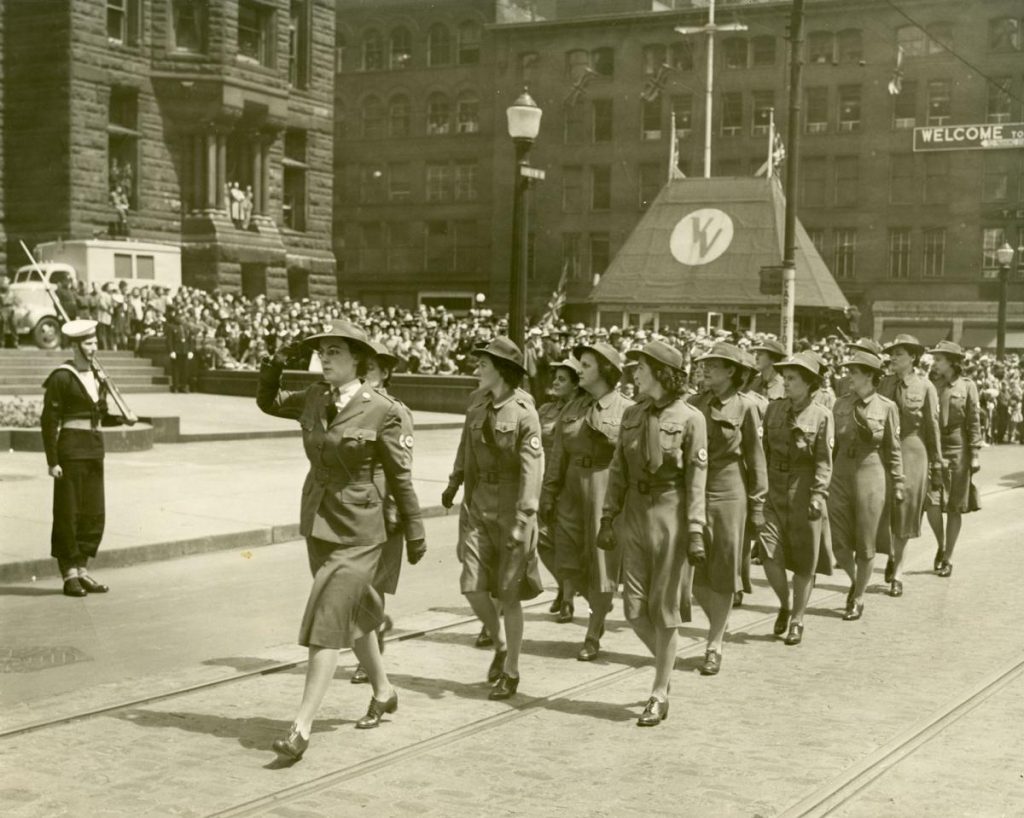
(663, 497)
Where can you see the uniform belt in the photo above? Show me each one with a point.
(83, 424)
(498, 477)
(775, 465)
(323, 475)
(587, 462)
(656, 486)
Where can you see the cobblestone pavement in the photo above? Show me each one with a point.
(778, 731)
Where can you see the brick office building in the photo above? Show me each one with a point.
(178, 103)
(910, 236)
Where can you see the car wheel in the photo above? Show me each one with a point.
(46, 334)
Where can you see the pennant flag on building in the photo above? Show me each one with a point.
(557, 300)
(653, 86)
(896, 83)
(578, 87)
(673, 153)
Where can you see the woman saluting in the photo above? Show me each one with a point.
(358, 454)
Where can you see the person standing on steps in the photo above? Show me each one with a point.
(918, 404)
(358, 454)
(503, 462)
(654, 509)
(74, 409)
(960, 422)
(575, 481)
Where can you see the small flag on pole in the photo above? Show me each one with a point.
(896, 83)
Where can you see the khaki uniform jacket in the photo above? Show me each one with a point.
(355, 460)
(773, 389)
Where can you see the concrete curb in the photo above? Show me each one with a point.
(46, 568)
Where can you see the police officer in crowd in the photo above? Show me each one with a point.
(181, 349)
(359, 451)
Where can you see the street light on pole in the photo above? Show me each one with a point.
(1004, 256)
(523, 125)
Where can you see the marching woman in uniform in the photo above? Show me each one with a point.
(575, 481)
(867, 470)
(74, 407)
(654, 510)
(565, 387)
(503, 469)
(736, 487)
(918, 403)
(750, 555)
(960, 422)
(359, 453)
(798, 449)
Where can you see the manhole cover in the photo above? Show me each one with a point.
(29, 660)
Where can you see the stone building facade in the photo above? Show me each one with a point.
(212, 119)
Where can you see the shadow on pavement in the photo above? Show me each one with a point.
(243, 664)
(28, 590)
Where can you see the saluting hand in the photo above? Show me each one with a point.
(448, 496)
(814, 509)
(56, 472)
(606, 535)
(415, 550)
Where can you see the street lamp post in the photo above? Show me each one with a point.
(1004, 255)
(523, 125)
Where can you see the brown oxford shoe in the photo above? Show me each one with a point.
(712, 663)
(92, 586)
(293, 746)
(376, 711)
(505, 688)
(737, 599)
(566, 614)
(896, 588)
(360, 676)
(483, 640)
(781, 622)
(73, 587)
(854, 612)
(795, 635)
(654, 714)
(590, 651)
(946, 569)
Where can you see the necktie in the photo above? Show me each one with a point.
(332, 407)
(488, 428)
(654, 456)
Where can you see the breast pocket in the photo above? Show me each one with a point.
(356, 443)
(804, 435)
(957, 410)
(671, 435)
(505, 435)
(631, 434)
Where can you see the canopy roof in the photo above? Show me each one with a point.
(702, 244)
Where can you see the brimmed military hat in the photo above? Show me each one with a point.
(948, 348)
(342, 330)
(808, 361)
(772, 347)
(904, 340)
(503, 348)
(866, 345)
(865, 359)
(79, 329)
(605, 352)
(384, 355)
(660, 352)
(749, 361)
(724, 352)
(569, 363)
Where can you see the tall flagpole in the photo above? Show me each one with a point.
(771, 143)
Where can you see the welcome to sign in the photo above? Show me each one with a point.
(978, 137)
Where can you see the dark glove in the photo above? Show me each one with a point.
(814, 509)
(415, 550)
(897, 495)
(975, 463)
(448, 496)
(606, 535)
(757, 518)
(286, 352)
(695, 548)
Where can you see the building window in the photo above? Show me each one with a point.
(255, 32)
(373, 118)
(650, 116)
(847, 180)
(904, 107)
(940, 38)
(849, 108)
(574, 130)
(762, 51)
(845, 253)
(400, 48)
(600, 187)
(602, 122)
(680, 56)
(466, 182)
(653, 58)
(529, 68)
(602, 60)
(399, 182)
(572, 256)
(940, 103)
(439, 45)
(851, 46)
(902, 187)
(817, 110)
(651, 178)
(820, 47)
(572, 189)
(373, 185)
(299, 64)
(293, 204)
(992, 239)
(439, 182)
(401, 256)
(467, 112)
(911, 40)
(817, 237)
(934, 252)
(468, 247)
(899, 252)
(734, 52)
(814, 182)
(682, 107)
(189, 25)
(936, 178)
(732, 114)
(439, 115)
(600, 253)
(999, 168)
(764, 104)
(340, 48)
(124, 22)
(999, 100)
(437, 250)
(1004, 34)
(577, 62)
(469, 44)
(123, 145)
(372, 247)
(399, 120)
(373, 50)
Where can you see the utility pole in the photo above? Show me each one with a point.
(796, 28)
(710, 29)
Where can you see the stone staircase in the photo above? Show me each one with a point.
(22, 371)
